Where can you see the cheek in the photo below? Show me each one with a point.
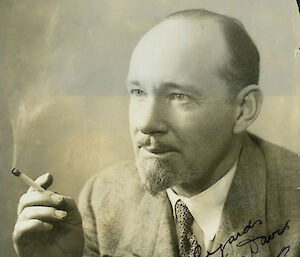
(204, 127)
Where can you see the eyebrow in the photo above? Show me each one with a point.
(182, 87)
(132, 82)
(170, 85)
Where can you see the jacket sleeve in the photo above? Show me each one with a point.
(91, 248)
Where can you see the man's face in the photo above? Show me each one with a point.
(181, 113)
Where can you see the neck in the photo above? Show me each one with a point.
(215, 173)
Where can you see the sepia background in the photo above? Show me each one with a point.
(63, 66)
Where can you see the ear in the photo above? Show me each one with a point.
(249, 101)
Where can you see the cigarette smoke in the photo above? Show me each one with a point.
(29, 85)
(32, 104)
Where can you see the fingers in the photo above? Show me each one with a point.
(24, 228)
(45, 214)
(45, 181)
(36, 198)
(48, 199)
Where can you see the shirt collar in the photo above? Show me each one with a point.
(207, 207)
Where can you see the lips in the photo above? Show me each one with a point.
(155, 147)
(157, 150)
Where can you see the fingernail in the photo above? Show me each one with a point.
(41, 179)
(60, 214)
(56, 198)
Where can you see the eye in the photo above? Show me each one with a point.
(178, 97)
(137, 92)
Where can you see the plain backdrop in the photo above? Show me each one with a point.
(63, 67)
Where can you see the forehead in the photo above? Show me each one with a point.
(179, 51)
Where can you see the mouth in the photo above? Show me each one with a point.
(154, 148)
(157, 150)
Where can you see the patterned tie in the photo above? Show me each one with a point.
(188, 245)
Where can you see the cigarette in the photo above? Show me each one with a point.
(27, 180)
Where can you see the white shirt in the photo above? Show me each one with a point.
(207, 207)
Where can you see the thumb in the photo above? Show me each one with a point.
(44, 181)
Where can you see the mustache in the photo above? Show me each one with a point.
(150, 142)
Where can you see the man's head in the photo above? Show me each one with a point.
(191, 98)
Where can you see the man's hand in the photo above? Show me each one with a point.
(48, 224)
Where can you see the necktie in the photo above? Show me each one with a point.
(188, 245)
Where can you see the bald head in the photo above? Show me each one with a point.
(242, 66)
(221, 40)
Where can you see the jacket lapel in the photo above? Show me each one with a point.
(149, 230)
(244, 211)
(167, 242)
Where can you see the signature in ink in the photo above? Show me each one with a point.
(284, 251)
(263, 240)
(233, 238)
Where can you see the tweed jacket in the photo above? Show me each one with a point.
(261, 216)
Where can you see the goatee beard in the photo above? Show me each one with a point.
(156, 175)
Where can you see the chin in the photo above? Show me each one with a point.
(158, 175)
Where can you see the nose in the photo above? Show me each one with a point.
(151, 116)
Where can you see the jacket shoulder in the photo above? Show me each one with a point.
(282, 165)
(282, 173)
(118, 182)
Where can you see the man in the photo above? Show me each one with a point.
(212, 189)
